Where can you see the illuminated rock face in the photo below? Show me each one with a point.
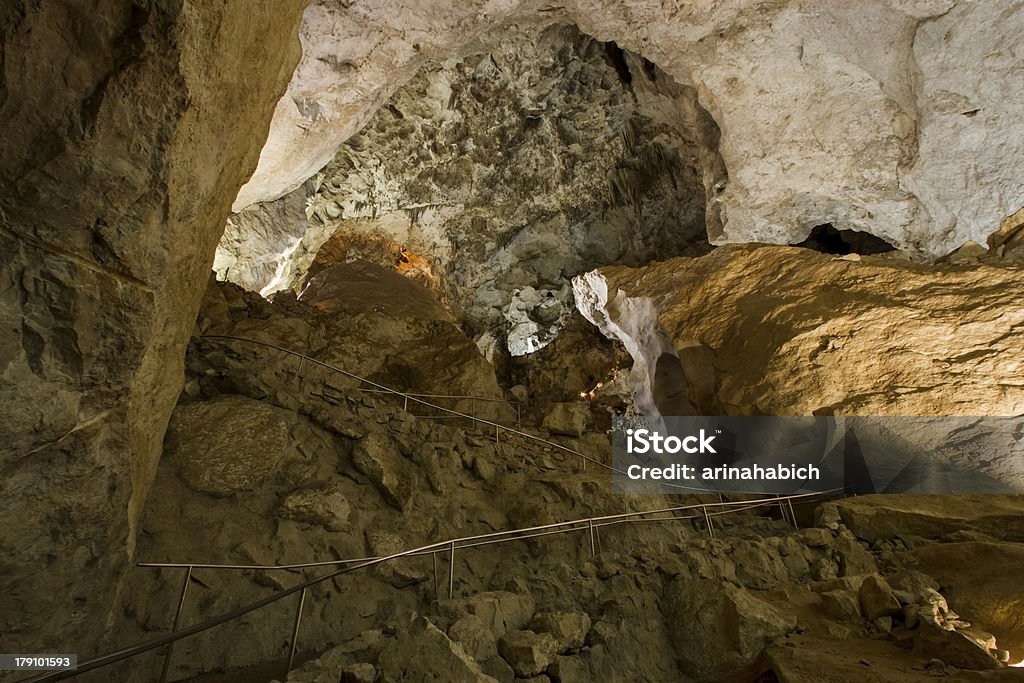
(890, 131)
(533, 155)
(795, 332)
(359, 317)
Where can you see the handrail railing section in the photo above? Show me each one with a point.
(591, 525)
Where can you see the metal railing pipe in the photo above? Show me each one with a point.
(450, 546)
(295, 632)
(415, 399)
(174, 626)
(451, 571)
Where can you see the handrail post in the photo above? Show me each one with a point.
(707, 520)
(406, 406)
(295, 631)
(174, 627)
(782, 509)
(433, 561)
(593, 544)
(451, 571)
(792, 513)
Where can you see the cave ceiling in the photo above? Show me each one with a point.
(538, 154)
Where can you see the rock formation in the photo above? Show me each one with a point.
(262, 468)
(268, 462)
(534, 155)
(787, 331)
(908, 130)
(127, 129)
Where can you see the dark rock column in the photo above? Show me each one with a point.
(128, 129)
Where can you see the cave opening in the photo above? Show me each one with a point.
(827, 239)
(533, 155)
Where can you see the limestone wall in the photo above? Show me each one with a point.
(127, 131)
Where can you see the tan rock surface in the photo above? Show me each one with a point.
(796, 332)
(362, 287)
(235, 443)
(720, 630)
(982, 582)
(426, 653)
(361, 319)
(873, 518)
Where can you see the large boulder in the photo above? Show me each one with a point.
(568, 628)
(423, 652)
(229, 444)
(877, 599)
(841, 604)
(955, 648)
(527, 652)
(719, 630)
(567, 419)
(499, 611)
(326, 506)
(379, 460)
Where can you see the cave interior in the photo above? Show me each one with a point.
(319, 318)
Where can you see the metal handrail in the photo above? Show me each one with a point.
(517, 534)
(497, 426)
(416, 398)
(449, 546)
(180, 634)
(485, 399)
(521, 408)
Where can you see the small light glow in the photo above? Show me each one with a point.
(1018, 665)
(589, 395)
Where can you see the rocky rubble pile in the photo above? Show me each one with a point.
(262, 469)
(804, 606)
(367, 320)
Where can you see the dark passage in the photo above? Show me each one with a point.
(825, 238)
